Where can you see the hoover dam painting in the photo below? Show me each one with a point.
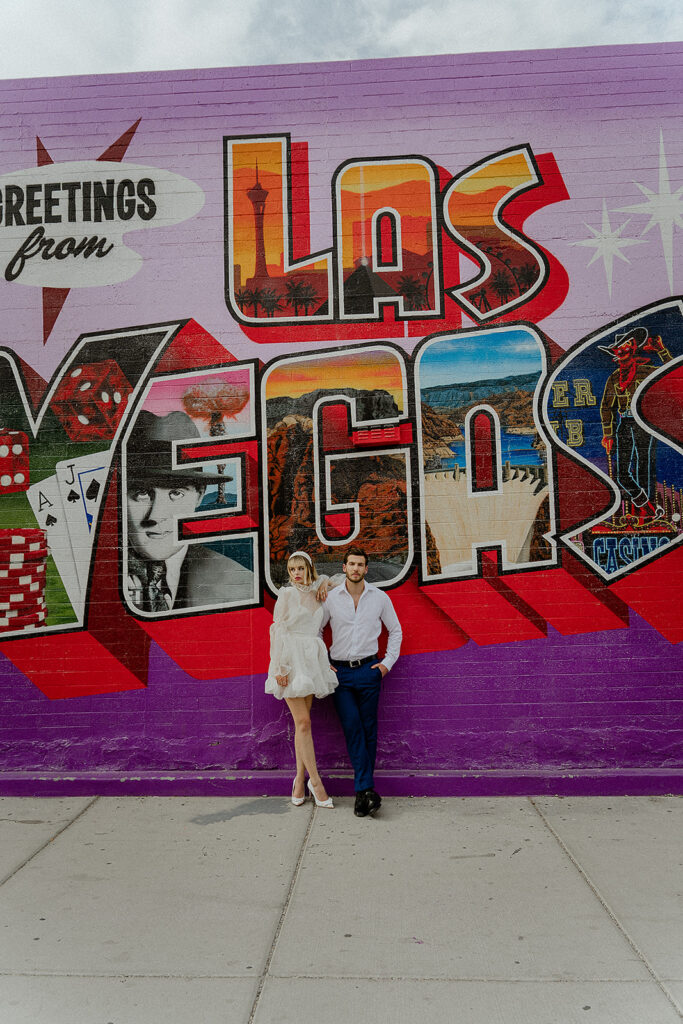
(484, 471)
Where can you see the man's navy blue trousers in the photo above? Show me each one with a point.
(356, 699)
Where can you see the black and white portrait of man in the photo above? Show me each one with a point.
(163, 572)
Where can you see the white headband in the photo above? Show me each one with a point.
(300, 554)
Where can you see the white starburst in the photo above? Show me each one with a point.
(608, 243)
(665, 209)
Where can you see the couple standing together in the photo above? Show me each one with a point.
(300, 669)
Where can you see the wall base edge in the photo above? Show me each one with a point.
(550, 782)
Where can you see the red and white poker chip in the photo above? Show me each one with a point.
(22, 539)
(38, 615)
(19, 621)
(12, 595)
(17, 574)
(21, 631)
(23, 557)
(8, 610)
(34, 553)
(15, 594)
(25, 532)
(16, 586)
(22, 607)
(30, 599)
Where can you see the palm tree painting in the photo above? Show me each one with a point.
(308, 297)
(412, 291)
(513, 270)
(270, 301)
(502, 286)
(254, 296)
(294, 296)
(527, 275)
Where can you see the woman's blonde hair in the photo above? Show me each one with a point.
(310, 572)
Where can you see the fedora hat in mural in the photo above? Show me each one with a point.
(150, 448)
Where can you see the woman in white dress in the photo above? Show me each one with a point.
(299, 668)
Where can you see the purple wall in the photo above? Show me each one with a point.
(499, 701)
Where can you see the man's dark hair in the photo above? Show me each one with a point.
(358, 552)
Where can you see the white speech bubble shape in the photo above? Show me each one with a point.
(62, 225)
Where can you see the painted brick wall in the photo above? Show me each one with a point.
(428, 305)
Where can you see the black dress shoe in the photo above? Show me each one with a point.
(361, 808)
(374, 800)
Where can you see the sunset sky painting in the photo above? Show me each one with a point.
(371, 369)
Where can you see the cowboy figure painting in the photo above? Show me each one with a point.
(635, 449)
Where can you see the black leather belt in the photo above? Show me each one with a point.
(356, 663)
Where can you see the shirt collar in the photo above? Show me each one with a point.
(366, 587)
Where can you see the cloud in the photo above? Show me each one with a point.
(514, 340)
(474, 26)
(85, 37)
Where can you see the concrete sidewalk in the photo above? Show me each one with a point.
(205, 910)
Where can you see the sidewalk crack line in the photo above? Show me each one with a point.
(47, 842)
(288, 898)
(608, 910)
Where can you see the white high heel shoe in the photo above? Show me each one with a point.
(298, 800)
(319, 803)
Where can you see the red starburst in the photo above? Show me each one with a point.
(54, 298)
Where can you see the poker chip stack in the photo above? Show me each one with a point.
(23, 557)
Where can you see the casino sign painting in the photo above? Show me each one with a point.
(433, 309)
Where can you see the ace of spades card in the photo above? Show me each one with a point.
(81, 483)
(46, 502)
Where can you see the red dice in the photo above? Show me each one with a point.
(91, 400)
(14, 471)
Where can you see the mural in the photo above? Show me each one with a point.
(599, 399)
(392, 335)
(168, 485)
(513, 269)
(339, 469)
(485, 477)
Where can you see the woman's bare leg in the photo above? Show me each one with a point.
(300, 708)
(299, 789)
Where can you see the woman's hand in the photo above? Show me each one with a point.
(321, 592)
(282, 680)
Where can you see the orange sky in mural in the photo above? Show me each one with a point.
(373, 177)
(271, 167)
(405, 187)
(412, 197)
(474, 199)
(509, 172)
(269, 157)
(363, 370)
(475, 211)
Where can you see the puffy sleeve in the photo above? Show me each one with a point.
(279, 635)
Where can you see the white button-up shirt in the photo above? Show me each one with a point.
(355, 631)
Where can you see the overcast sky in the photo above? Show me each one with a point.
(62, 37)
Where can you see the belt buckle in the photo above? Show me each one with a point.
(356, 663)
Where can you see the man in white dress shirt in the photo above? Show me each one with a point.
(356, 613)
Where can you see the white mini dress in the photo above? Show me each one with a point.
(296, 649)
